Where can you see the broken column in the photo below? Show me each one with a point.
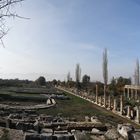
(137, 119)
(128, 111)
(121, 105)
(109, 102)
(115, 105)
(132, 114)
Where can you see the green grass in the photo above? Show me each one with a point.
(79, 108)
(75, 107)
(21, 97)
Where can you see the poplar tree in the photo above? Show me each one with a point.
(78, 75)
(105, 73)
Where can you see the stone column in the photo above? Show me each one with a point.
(137, 119)
(109, 102)
(121, 105)
(115, 105)
(100, 102)
(96, 94)
(132, 114)
(128, 111)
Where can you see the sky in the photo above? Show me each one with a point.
(61, 33)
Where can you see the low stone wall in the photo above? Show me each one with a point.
(34, 107)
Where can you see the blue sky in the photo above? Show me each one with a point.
(61, 33)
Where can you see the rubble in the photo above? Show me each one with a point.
(125, 130)
(112, 134)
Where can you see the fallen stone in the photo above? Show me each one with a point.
(125, 129)
(95, 120)
(112, 134)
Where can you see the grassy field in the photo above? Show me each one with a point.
(74, 107)
(79, 108)
(6, 95)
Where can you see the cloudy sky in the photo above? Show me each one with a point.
(61, 33)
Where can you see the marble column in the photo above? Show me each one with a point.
(109, 102)
(128, 111)
(137, 119)
(121, 105)
(115, 105)
(100, 102)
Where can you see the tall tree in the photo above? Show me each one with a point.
(85, 79)
(41, 81)
(78, 75)
(136, 76)
(68, 77)
(112, 86)
(85, 82)
(105, 73)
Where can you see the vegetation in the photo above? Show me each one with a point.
(136, 74)
(116, 86)
(105, 67)
(41, 81)
(79, 108)
(78, 76)
(85, 82)
(14, 83)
